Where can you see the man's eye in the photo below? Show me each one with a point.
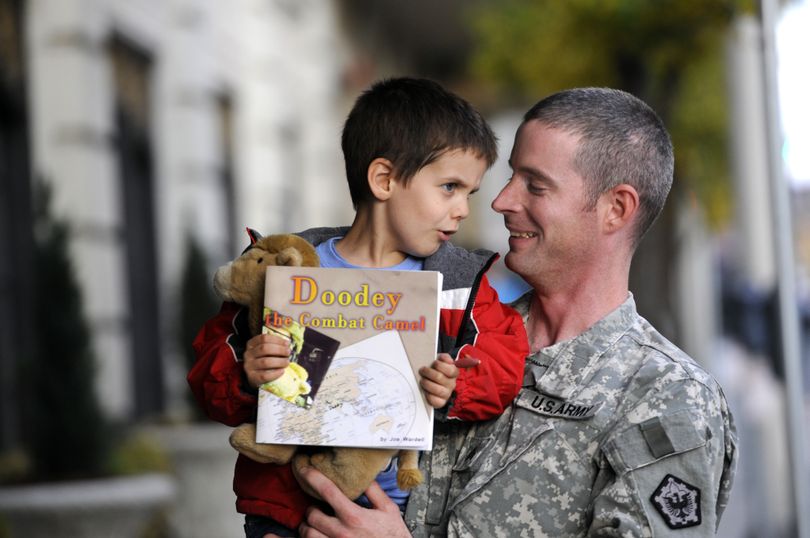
(450, 187)
(535, 187)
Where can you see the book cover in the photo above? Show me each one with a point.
(358, 338)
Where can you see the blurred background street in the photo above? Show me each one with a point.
(139, 138)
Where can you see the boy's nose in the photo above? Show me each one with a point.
(462, 210)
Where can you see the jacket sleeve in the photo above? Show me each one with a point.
(217, 379)
(484, 391)
(670, 471)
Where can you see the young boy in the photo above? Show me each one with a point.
(414, 154)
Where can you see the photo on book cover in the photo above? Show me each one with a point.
(311, 353)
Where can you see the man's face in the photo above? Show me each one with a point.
(429, 210)
(552, 238)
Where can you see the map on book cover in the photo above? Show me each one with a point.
(362, 335)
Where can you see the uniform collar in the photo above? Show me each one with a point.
(568, 362)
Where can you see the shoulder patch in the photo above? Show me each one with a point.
(678, 502)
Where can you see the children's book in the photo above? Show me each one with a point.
(357, 340)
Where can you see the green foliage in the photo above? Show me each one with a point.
(67, 431)
(699, 127)
(667, 52)
(15, 466)
(197, 304)
(523, 50)
(138, 453)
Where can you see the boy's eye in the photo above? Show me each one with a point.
(450, 187)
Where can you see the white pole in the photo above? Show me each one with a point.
(786, 278)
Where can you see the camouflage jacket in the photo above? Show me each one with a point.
(615, 433)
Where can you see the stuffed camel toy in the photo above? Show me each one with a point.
(351, 469)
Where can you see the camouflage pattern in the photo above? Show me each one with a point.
(615, 433)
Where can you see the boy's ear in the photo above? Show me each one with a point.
(380, 178)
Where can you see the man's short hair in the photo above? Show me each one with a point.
(411, 122)
(622, 140)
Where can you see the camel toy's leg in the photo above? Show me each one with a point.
(409, 476)
(243, 439)
(351, 469)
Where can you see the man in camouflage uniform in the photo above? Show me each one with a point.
(616, 432)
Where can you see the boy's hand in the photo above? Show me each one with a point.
(265, 358)
(439, 380)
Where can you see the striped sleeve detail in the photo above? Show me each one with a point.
(455, 299)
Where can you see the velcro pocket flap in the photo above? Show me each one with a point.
(656, 438)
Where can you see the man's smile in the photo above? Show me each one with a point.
(523, 235)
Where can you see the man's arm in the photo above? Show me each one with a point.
(669, 471)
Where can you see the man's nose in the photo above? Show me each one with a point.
(506, 199)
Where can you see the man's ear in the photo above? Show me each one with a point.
(380, 178)
(621, 205)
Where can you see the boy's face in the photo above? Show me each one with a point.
(429, 209)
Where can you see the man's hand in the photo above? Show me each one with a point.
(350, 520)
(265, 358)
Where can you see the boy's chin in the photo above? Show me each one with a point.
(426, 252)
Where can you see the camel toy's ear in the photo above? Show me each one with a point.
(253, 234)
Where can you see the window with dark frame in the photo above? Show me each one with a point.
(131, 68)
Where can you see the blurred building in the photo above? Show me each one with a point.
(801, 209)
(158, 122)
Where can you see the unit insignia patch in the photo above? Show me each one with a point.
(677, 502)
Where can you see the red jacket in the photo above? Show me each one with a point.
(472, 318)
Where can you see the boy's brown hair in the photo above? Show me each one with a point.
(411, 122)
